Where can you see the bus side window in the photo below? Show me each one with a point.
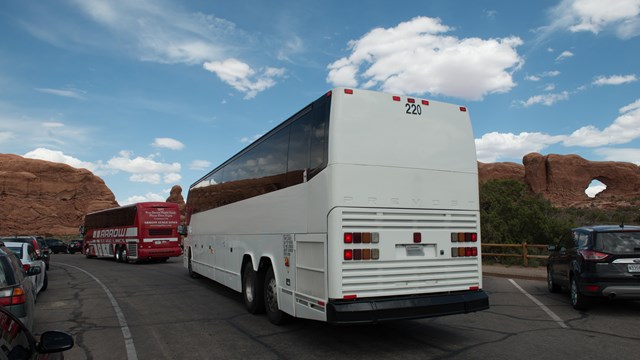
(318, 148)
(298, 159)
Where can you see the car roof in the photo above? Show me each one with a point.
(16, 244)
(607, 228)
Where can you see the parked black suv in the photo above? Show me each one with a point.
(596, 261)
(56, 246)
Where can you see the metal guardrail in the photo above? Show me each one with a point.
(524, 253)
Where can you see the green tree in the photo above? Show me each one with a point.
(510, 214)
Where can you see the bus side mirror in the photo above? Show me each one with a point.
(183, 230)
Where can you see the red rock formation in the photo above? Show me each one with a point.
(503, 170)
(41, 197)
(175, 196)
(563, 179)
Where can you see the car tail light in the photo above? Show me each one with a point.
(26, 267)
(593, 255)
(14, 296)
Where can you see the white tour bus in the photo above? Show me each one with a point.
(362, 207)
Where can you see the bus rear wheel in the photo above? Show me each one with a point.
(275, 315)
(119, 254)
(252, 290)
(192, 273)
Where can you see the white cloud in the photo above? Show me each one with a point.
(532, 78)
(200, 165)
(492, 146)
(168, 143)
(564, 55)
(60, 157)
(614, 80)
(248, 140)
(145, 178)
(631, 155)
(624, 129)
(143, 198)
(545, 99)
(141, 165)
(70, 93)
(619, 16)
(549, 87)
(171, 178)
(159, 32)
(553, 73)
(244, 78)
(415, 57)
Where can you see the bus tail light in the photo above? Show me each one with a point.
(464, 252)
(348, 254)
(464, 237)
(417, 237)
(348, 238)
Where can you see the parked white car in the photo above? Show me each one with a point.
(28, 256)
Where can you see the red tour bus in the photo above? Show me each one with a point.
(142, 231)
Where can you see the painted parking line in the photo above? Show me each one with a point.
(551, 314)
(126, 333)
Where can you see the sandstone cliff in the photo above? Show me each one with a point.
(562, 179)
(41, 197)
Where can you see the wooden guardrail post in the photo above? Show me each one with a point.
(525, 255)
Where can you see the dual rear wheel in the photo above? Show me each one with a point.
(260, 293)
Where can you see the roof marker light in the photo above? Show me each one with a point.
(410, 100)
(425, 102)
(348, 91)
(463, 109)
(396, 98)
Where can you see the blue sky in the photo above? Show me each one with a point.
(149, 94)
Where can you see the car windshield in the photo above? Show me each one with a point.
(17, 250)
(618, 242)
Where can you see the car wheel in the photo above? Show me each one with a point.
(45, 282)
(275, 315)
(252, 290)
(578, 300)
(551, 285)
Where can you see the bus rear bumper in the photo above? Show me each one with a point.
(410, 307)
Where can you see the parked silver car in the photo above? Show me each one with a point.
(16, 289)
(27, 255)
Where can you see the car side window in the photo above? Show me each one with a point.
(32, 253)
(567, 241)
(583, 241)
(17, 265)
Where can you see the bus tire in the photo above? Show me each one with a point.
(118, 254)
(252, 290)
(275, 315)
(192, 273)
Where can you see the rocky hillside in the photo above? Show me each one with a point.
(41, 197)
(562, 179)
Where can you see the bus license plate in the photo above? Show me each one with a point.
(415, 250)
(634, 267)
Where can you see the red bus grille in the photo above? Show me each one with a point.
(161, 232)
